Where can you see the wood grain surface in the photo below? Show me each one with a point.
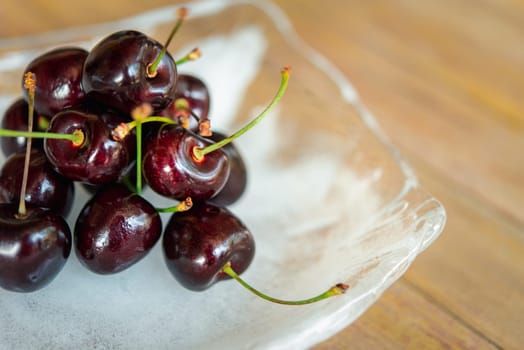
(445, 79)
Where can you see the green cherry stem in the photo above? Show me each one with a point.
(77, 137)
(122, 130)
(140, 115)
(337, 289)
(192, 55)
(138, 186)
(186, 204)
(199, 153)
(153, 118)
(151, 69)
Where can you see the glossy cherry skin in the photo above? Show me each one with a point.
(99, 159)
(33, 250)
(115, 72)
(171, 170)
(237, 181)
(45, 187)
(115, 229)
(15, 118)
(197, 243)
(58, 79)
(195, 95)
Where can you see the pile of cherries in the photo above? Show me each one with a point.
(106, 119)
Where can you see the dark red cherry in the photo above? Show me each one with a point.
(179, 164)
(171, 169)
(15, 118)
(116, 72)
(115, 229)
(58, 79)
(45, 187)
(191, 96)
(197, 244)
(99, 158)
(237, 181)
(33, 250)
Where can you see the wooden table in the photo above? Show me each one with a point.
(446, 81)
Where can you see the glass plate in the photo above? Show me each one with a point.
(329, 200)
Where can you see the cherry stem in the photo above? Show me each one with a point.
(123, 129)
(338, 289)
(199, 153)
(186, 204)
(192, 55)
(30, 85)
(183, 112)
(77, 137)
(153, 118)
(138, 186)
(151, 69)
(140, 114)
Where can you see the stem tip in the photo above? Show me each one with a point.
(339, 288)
(79, 137)
(120, 131)
(141, 111)
(204, 128)
(182, 12)
(30, 82)
(286, 70)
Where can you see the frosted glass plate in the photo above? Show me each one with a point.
(329, 200)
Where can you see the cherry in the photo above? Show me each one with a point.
(59, 73)
(15, 118)
(237, 180)
(197, 243)
(33, 248)
(115, 229)
(97, 158)
(178, 163)
(45, 188)
(127, 69)
(116, 72)
(171, 170)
